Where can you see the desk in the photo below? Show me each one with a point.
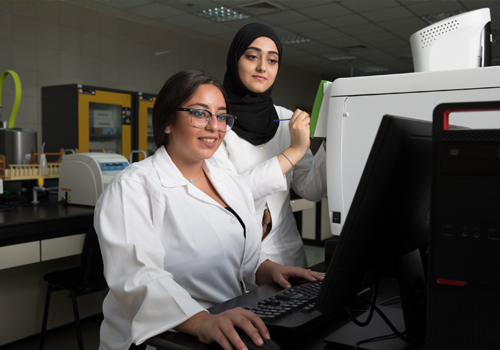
(312, 341)
(26, 223)
(35, 240)
(35, 233)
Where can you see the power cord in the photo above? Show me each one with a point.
(400, 335)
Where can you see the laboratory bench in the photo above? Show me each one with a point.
(32, 233)
(35, 240)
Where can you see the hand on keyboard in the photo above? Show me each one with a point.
(295, 299)
(270, 271)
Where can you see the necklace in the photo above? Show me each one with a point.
(199, 177)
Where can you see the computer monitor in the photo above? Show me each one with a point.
(387, 224)
(457, 42)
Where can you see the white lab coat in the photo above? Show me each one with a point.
(283, 244)
(169, 250)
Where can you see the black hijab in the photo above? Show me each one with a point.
(254, 112)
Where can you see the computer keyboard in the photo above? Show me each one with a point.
(291, 309)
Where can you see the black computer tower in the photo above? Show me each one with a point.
(464, 269)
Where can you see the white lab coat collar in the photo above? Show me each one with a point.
(170, 176)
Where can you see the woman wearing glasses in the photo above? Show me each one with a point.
(178, 234)
(263, 145)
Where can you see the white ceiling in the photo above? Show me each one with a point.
(376, 32)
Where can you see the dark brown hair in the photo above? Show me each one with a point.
(178, 89)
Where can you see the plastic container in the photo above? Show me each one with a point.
(43, 165)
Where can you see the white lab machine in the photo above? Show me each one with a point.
(355, 108)
(84, 176)
(461, 41)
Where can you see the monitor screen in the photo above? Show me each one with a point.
(388, 223)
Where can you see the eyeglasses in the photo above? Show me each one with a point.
(200, 118)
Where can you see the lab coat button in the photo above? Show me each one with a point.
(261, 147)
(232, 220)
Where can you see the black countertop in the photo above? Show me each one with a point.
(27, 222)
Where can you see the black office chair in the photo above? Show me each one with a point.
(86, 279)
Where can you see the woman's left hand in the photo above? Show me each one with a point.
(281, 274)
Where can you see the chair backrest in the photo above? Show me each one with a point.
(92, 267)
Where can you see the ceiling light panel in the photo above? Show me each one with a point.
(222, 14)
(294, 39)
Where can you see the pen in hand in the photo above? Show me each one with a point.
(281, 120)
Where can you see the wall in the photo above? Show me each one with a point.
(56, 42)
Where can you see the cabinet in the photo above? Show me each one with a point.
(143, 109)
(87, 118)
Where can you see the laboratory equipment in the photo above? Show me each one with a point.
(356, 106)
(84, 176)
(460, 41)
(14, 142)
(143, 140)
(90, 119)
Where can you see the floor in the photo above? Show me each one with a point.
(65, 337)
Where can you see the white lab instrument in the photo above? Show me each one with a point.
(461, 41)
(356, 107)
(84, 176)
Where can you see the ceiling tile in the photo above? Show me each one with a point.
(227, 36)
(234, 3)
(243, 22)
(306, 27)
(373, 39)
(309, 46)
(282, 31)
(324, 11)
(344, 42)
(188, 21)
(214, 29)
(393, 43)
(192, 6)
(388, 14)
(475, 5)
(285, 17)
(325, 34)
(404, 33)
(404, 24)
(368, 6)
(333, 26)
(298, 4)
(156, 10)
(125, 4)
(434, 7)
(364, 28)
(344, 21)
(292, 52)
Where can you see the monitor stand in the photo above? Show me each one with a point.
(350, 334)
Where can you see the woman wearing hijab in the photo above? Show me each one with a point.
(261, 149)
